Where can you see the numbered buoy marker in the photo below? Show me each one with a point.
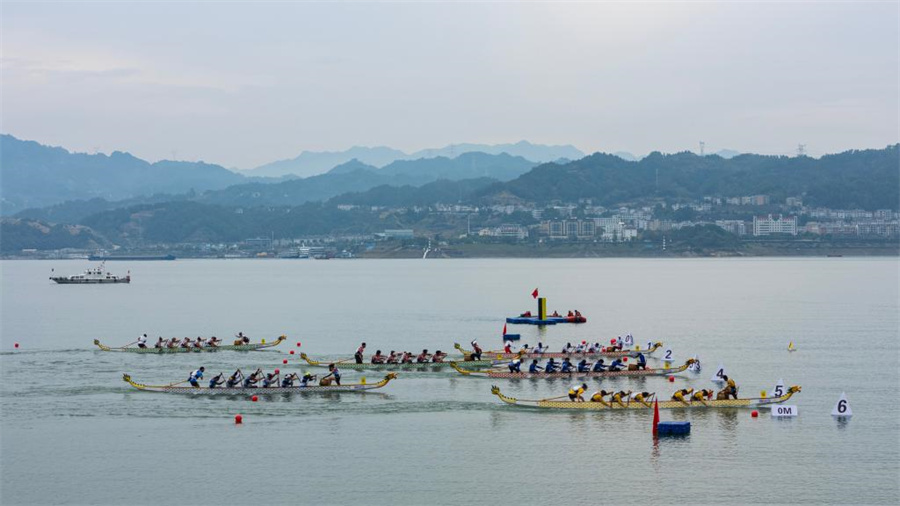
(778, 391)
(719, 376)
(842, 408)
(649, 345)
(629, 340)
(695, 367)
(667, 355)
(784, 411)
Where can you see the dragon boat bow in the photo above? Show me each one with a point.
(758, 402)
(178, 389)
(179, 349)
(424, 366)
(499, 373)
(501, 355)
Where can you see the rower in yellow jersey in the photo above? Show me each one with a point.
(576, 392)
(683, 395)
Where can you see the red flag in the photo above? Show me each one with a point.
(655, 415)
(504, 329)
(534, 294)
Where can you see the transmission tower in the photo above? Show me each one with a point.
(702, 148)
(801, 149)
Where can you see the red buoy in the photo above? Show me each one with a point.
(254, 398)
(292, 352)
(238, 419)
(671, 379)
(583, 342)
(298, 344)
(284, 361)
(754, 413)
(16, 345)
(612, 341)
(277, 371)
(624, 359)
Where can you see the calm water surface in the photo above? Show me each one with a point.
(71, 432)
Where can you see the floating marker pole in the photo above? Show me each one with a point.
(655, 416)
(542, 308)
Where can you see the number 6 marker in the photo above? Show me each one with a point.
(842, 408)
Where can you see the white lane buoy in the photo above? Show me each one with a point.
(778, 391)
(842, 408)
(719, 376)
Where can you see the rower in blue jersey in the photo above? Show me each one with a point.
(641, 361)
(253, 379)
(598, 366)
(235, 379)
(195, 377)
(515, 365)
(551, 366)
(534, 367)
(616, 365)
(584, 366)
(216, 380)
(307, 377)
(271, 379)
(566, 365)
(288, 380)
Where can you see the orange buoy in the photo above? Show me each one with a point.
(671, 379)
(754, 413)
(284, 361)
(238, 419)
(292, 352)
(254, 398)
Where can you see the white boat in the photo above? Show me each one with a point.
(94, 276)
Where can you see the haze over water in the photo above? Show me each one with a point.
(73, 432)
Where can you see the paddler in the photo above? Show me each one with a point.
(333, 372)
(270, 380)
(213, 342)
(619, 396)
(539, 349)
(566, 365)
(253, 379)
(423, 357)
(576, 392)
(683, 395)
(515, 365)
(159, 343)
(307, 377)
(142, 341)
(551, 366)
(579, 348)
(378, 358)
(643, 397)
(598, 366)
(702, 395)
(438, 357)
(730, 388)
(288, 380)
(598, 397)
(406, 358)
(392, 358)
(507, 348)
(534, 368)
(584, 366)
(616, 365)
(593, 348)
(217, 380)
(172, 343)
(568, 349)
(235, 379)
(476, 350)
(359, 353)
(641, 361)
(199, 342)
(186, 342)
(195, 377)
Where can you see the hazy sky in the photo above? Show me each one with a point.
(241, 84)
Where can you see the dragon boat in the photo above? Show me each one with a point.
(176, 388)
(427, 366)
(232, 347)
(499, 373)
(501, 355)
(759, 402)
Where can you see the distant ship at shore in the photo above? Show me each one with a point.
(104, 258)
(95, 276)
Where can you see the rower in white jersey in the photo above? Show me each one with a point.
(142, 341)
